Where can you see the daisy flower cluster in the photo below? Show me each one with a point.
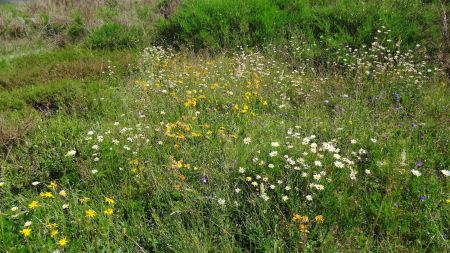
(300, 167)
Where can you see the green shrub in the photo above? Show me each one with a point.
(216, 24)
(223, 24)
(114, 36)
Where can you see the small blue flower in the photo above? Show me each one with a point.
(419, 164)
(204, 179)
(396, 97)
(423, 198)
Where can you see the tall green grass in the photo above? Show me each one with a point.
(216, 25)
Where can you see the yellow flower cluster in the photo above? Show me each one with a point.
(304, 221)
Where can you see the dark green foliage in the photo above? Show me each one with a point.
(215, 24)
(112, 36)
(223, 24)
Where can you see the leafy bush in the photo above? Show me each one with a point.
(223, 24)
(215, 24)
(114, 36)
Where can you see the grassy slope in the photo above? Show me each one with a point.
(73, 63)
(182, 120)
(161, 208)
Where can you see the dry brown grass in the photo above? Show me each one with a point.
(41, 16)
(60, 9)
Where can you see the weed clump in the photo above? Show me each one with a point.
(112, 36)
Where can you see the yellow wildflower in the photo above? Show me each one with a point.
(46, 195)
(304, 219)
(214, 86)
(196, 134)
(54, 233)
(25, 232)
(296, 217)
(33, 204)
(90, 213)
(244, 109)
(52, 185)
(110, 201)
(177, 164)
(62, 193)
(191, 102)
(108, 211)
(319, 218)
(63, 242)
(303, 228)
(84, 199)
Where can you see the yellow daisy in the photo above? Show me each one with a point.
(90, 213)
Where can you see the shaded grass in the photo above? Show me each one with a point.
(70, 63)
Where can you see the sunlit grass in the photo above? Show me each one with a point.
(240, 152)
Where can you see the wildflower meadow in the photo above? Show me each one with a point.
(300, 146)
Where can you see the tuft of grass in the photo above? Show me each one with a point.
(76, 28)
(111, 36)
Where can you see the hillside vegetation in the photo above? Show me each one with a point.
(224, 126)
